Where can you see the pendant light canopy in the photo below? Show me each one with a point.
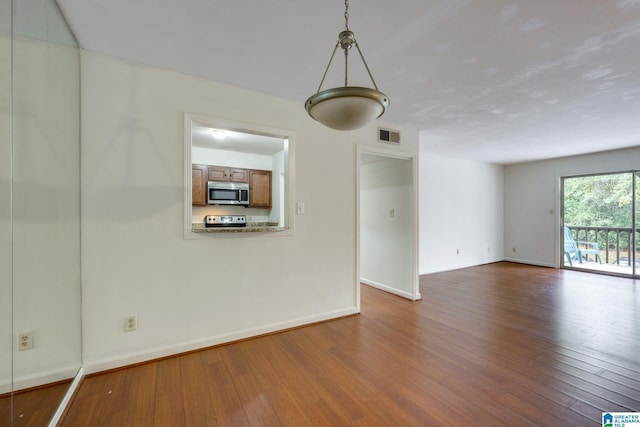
(347, 107)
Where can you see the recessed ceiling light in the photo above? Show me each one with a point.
(219, 133)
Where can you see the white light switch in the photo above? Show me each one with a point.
(392, 213)
(300, 208)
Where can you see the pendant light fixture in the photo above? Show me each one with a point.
(347, 107)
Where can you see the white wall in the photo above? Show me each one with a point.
(532, 201)
(386, 242)
(197, 292)
(461, 213)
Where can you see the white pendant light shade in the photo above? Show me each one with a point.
(347, 108)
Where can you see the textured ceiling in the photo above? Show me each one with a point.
(496, 81)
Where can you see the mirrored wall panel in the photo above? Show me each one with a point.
(6, 332)
(39, 211)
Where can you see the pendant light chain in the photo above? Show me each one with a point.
(346, 46)
(346, 15)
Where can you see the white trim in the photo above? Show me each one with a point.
(558, 219)
(386, 288)
(395, 154)
(67, 398)
(188, 234)
(37, 379)
(92, 367)
(529, 262)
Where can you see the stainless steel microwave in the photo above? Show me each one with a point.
(227, 193)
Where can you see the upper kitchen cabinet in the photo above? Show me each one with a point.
(199, 184)
(260, 189)
(228, 174)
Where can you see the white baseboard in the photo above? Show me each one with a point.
(529, 262)
(6, 385)
(23, 382)
(459, 267)
(387, 288)
(93, 366)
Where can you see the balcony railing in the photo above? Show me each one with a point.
(614, 242)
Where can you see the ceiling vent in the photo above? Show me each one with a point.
(388, 136)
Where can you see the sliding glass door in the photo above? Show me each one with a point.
(636, 221)
(600, 223)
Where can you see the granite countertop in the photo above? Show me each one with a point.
(253, 227)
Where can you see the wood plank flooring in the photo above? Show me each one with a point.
(33, 407)
(495, 345)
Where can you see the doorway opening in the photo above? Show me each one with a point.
(387, 230)
(600, 223)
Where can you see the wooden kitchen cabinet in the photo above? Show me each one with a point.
(225, 174)
(260, 189)
(259, 183)
(217, 173)
(199, 184)
(238, 175)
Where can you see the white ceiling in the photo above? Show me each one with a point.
(497, 81)
(228, 140)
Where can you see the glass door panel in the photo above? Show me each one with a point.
(598, 223)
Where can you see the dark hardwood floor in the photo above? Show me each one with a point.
(33, 407)
(496, 345)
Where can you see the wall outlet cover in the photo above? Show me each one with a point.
(130, 323)
(25, 341)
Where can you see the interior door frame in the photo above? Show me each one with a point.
(391, 154)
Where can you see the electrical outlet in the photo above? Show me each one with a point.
(130, 323)
(25, 341)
